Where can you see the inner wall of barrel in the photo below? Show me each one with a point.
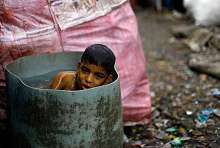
(34, 65)
(37, 65)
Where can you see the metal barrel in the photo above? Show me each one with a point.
(57, 118)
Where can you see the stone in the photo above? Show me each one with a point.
(210, 122)
(201, 138)
(196, 133)
(199, 39)
(183, 31)
(215, 41)
(185, 138)
(167, 145)
(217, 113)
(188, 124)
(208, 64)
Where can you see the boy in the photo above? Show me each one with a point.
(93, 70)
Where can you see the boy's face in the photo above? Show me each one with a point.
(89, 75)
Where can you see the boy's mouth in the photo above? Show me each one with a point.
(84, 87)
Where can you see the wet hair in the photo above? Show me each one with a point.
(98, 54)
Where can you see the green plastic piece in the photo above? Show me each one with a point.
(176, 141)
(172, 129)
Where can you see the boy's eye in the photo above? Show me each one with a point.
(99, 76)
(84, 70)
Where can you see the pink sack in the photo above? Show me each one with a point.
(119, 31)
(28, 28)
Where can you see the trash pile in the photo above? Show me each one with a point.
(180, 121)
(205, 43)
(185, 91)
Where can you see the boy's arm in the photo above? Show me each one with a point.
(57, 83)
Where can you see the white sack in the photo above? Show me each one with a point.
(205, 12)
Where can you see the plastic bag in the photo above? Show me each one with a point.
(205, 12)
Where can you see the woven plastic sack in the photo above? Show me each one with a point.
(26, 28)
(30, 29)
(119, 31)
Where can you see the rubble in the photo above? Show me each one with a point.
(208, 64)
(183, 31)
(205, 43)
(215, 42)
(198, 39)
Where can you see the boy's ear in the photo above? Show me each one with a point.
(108, 80)
(78, 66)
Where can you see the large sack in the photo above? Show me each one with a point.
(28, 28)
(119, 31)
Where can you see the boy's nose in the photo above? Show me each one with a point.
(89, 78)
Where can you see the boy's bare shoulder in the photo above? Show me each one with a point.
(64, 80)
(67, 73)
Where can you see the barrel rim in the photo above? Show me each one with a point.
(52, 90)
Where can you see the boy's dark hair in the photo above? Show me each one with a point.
(98, 54)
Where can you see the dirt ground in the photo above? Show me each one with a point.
(155, 31)
(176, 90)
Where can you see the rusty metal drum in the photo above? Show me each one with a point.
(41, 117)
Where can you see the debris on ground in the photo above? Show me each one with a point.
(183, 65)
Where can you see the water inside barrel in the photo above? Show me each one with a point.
(43, 81)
